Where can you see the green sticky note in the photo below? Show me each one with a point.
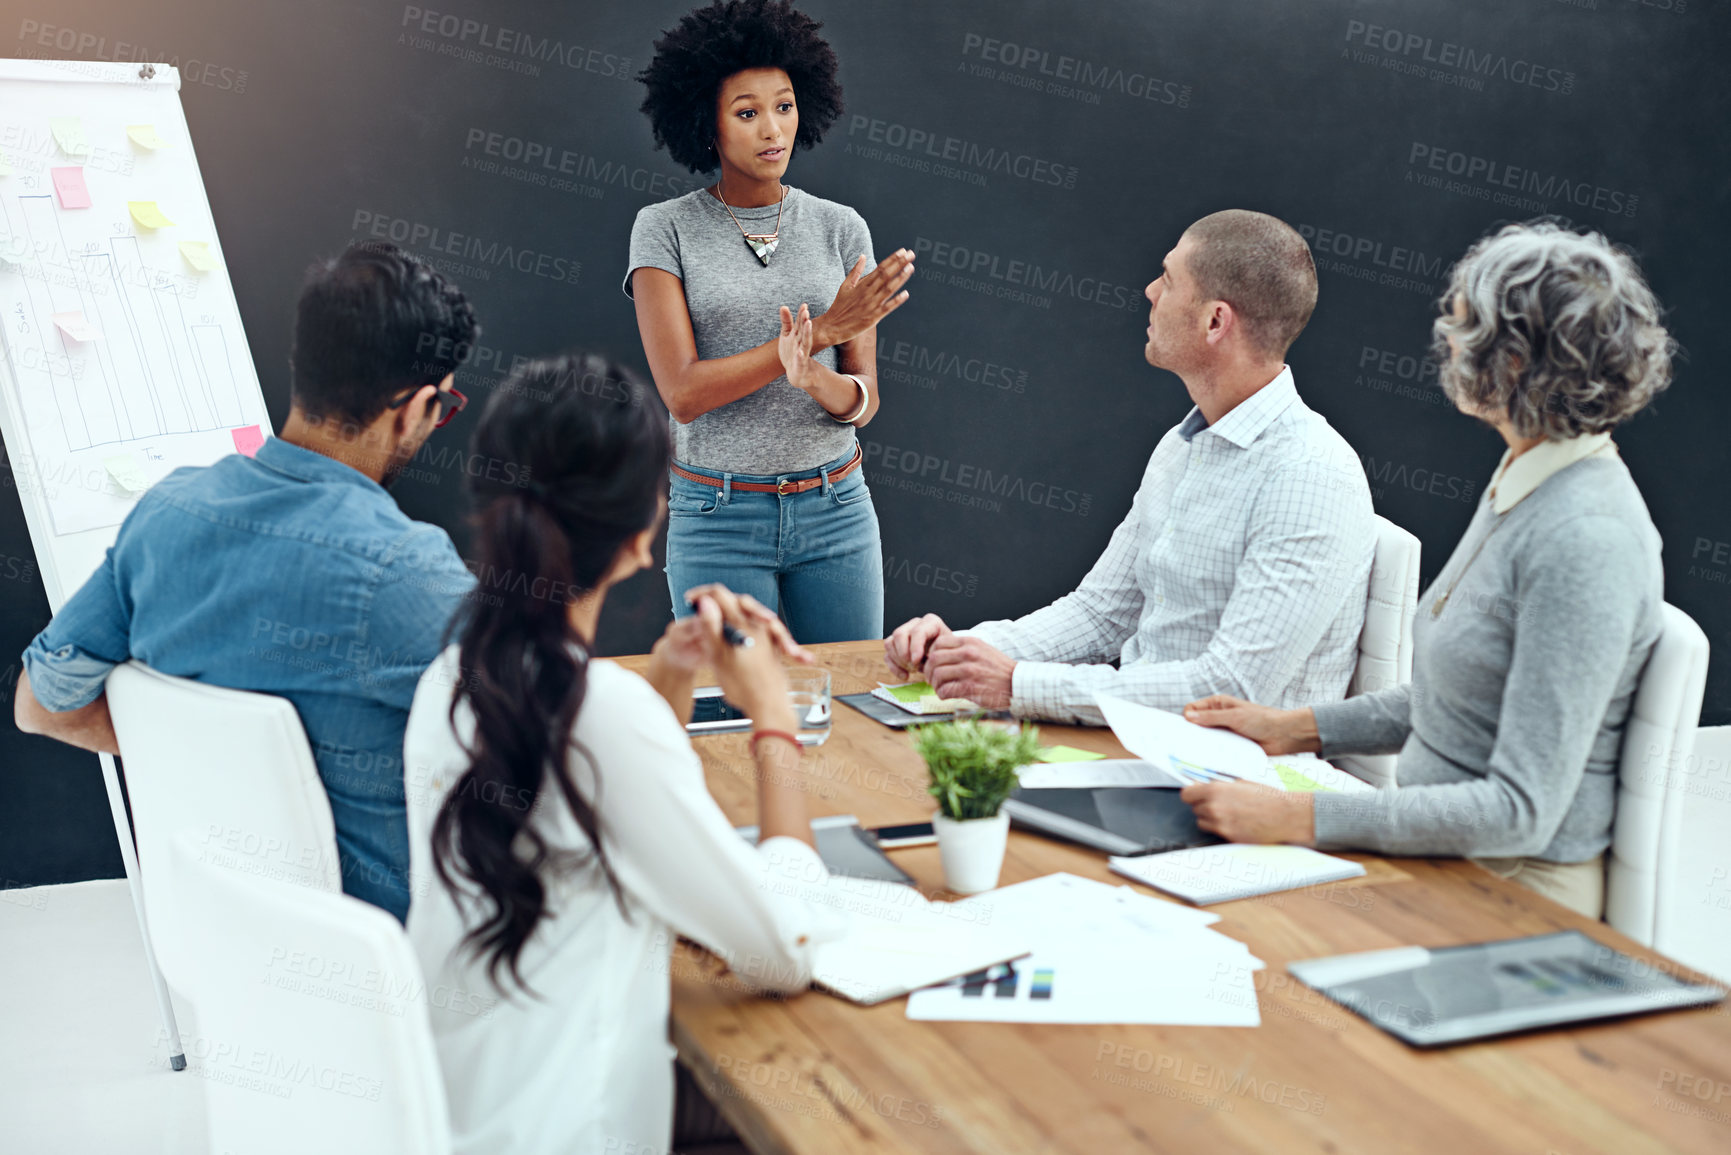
(125, 470)
(1066, 754)
(69, 135)
(1293, 780)
(912, 692)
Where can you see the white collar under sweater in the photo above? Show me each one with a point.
(1515, 479)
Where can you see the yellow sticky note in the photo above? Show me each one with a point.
(124, 468)
(69, 135)
(198, 255)
(145, 136)
(148, 215)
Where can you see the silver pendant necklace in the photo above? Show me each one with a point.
(762, 244)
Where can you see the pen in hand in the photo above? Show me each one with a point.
(730, 633)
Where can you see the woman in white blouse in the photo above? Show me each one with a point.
(560, 829)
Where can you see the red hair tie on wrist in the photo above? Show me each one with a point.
(756, 735)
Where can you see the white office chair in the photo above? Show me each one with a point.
(233, 765)
(1642, 872)
(1385, 645)
(311, 1011)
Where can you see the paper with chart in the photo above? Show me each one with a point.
(120, 331)
(1100, 954)
(1168, 740)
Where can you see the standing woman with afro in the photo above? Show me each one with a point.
(758, 305)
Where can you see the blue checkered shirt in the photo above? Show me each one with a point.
(1242, 569)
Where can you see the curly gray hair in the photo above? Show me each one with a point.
(1557, 329)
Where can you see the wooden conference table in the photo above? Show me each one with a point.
(816, 1074)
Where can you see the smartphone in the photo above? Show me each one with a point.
(911, 834)
(713, 714)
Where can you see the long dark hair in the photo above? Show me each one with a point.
(567, 465)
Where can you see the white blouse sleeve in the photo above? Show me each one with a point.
(675, 853)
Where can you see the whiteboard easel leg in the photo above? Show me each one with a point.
(129, 858)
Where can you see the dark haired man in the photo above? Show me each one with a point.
(1244, 563)
(293, 572)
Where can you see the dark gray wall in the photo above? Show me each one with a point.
(1042, 157)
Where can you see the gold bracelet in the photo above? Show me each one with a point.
(865, 401)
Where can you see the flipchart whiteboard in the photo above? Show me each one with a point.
(122, 355)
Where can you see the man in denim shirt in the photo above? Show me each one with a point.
(293, 572)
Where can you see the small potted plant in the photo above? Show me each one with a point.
(973, 767)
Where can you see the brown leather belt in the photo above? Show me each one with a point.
(783, 488)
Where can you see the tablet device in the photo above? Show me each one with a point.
(1432, 998)
(847, 849)
(1116, 819)
(892, 716)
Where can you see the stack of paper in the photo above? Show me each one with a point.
(920, 698)
(1100, 954)
(886, 939)
(1195, 753)
(1096, 775)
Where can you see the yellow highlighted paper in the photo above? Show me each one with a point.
(1066, 754)
(145, 136)
(124, 468)
(69, 135)
(198, 255)
(148, 215)
(1297, 782)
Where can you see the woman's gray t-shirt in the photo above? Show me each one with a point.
(735, 304)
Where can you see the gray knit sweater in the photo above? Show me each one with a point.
(1510, 729)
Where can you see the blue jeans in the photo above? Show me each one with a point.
(814, 557)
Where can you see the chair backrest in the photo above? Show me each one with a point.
(231, 764)
(1385, 645)
(1641, 875)
(311, 1014)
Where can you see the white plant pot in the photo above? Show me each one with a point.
(972, 850)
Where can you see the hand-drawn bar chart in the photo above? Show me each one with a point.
(126, 359)
(155, 370)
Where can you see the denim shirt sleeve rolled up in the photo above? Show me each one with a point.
(291, 574)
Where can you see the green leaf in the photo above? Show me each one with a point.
(974, 766)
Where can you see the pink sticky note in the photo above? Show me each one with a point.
(69, 183)
(247, 439)
(76, 325)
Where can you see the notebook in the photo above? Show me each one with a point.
(920, 698)
(888, 713)
(897, 939)
(883, 959)
(1233, 870)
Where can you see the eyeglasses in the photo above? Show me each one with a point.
(450, 402)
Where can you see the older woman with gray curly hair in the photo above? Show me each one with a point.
(1529, 644)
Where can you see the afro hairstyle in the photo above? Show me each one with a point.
(711, 44)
